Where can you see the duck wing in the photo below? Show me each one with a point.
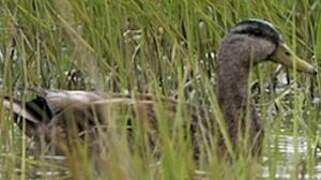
(58, 100)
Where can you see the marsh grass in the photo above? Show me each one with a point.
(166, 48)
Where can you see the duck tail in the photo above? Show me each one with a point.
(20, 109)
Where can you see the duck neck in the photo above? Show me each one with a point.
(233, 76)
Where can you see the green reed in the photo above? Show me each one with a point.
(160, 47)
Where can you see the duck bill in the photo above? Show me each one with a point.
(285, 56)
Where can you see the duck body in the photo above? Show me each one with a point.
(59, 116)
(247, 44)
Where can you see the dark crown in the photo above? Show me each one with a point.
(257, 28)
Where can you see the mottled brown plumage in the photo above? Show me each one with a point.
(57, 115)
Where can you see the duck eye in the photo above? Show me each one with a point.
(287, 53)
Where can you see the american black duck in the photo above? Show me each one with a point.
(248, 43)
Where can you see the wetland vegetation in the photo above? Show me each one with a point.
(166, 48)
